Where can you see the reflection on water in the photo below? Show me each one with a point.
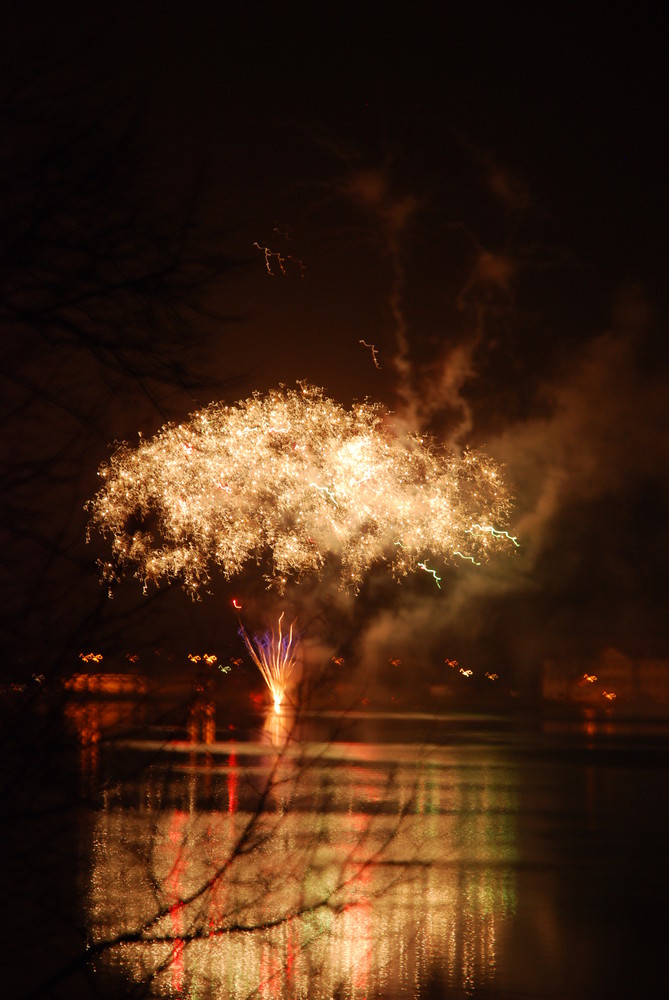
(410, 856)
(348, 868)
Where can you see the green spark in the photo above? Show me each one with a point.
(470, 558)
(492, 531)
(433, 572)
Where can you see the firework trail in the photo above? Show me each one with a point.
(375, 353)
(281, 259)
(391, 214)
(293, 481)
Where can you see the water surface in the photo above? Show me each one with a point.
(374, 856)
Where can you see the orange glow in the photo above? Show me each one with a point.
(233, 779)
(107, 684)
(209, 658)
(201, 724)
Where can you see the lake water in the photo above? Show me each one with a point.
(377, 856)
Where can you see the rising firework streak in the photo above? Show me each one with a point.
(274, 654)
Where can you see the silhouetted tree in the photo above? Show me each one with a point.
(105, 321)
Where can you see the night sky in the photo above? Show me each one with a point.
(479, 190)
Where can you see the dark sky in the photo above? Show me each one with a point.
(483, 184)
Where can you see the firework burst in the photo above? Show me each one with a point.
(292, 480)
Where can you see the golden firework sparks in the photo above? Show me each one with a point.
(294, 479)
